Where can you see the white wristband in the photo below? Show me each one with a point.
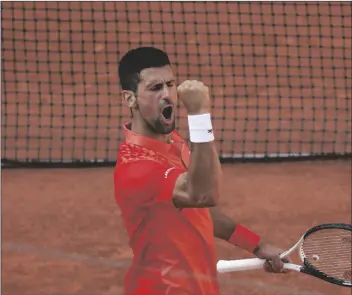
(200, 128)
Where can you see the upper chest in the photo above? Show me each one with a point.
(179, 155)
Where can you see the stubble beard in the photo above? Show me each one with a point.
(157, 126)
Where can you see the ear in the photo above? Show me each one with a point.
(129, 98)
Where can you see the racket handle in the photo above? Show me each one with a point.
(239, 265)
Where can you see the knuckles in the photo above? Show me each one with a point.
(192, 85)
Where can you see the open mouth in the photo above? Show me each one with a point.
(167, 113)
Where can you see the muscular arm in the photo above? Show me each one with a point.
(201, 185)
(223, 225)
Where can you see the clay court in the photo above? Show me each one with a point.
(62, 232)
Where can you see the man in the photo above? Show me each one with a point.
(168, 196)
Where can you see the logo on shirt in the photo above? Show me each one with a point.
(168, 171)
(210, 131)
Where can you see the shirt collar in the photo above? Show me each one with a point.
(149, 143)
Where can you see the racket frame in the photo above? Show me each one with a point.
(224, 266)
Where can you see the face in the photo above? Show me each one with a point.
(156, 99)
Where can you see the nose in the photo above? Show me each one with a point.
(165, 92)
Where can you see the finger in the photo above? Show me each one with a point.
(286, 259)
(277, 264)
(184, 84)
(268, 267)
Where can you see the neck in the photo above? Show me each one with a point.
(140, 127)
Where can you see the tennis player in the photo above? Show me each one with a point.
(166, 194)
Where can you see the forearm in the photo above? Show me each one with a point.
(204, 173)
(200, 186)
(224, 226)
(204, 177)
(227, 229)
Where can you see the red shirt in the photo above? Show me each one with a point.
(174, 251)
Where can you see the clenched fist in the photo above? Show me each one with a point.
(194, 96)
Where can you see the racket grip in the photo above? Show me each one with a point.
(239, 265)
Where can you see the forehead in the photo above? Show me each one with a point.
(156, 75)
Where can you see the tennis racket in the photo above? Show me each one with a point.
(325, 251)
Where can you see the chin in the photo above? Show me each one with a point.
(168, 129)
(162, 128)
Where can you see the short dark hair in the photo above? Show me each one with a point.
(136, 60)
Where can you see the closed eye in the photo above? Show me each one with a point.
(170, 83)
(157, 87)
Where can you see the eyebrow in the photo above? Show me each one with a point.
(156, 82)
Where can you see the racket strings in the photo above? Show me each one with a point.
(330, 251)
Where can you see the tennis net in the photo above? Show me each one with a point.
(279, 75)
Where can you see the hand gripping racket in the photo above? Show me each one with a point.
(325, 251)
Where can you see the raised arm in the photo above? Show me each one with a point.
(201, 185)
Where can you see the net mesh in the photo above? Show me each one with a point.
(279, 75)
